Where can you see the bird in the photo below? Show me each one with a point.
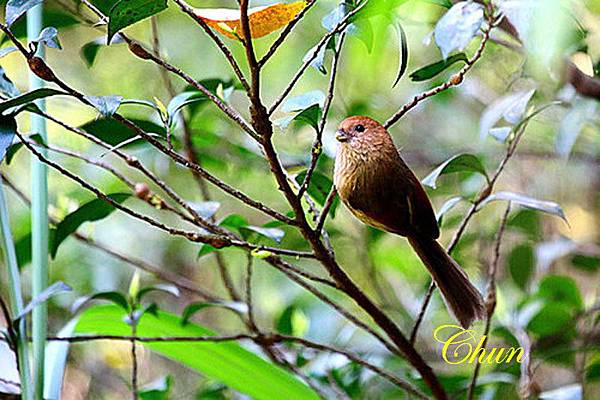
(378, 188)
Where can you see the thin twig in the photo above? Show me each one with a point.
(490, 301)
(455, 80)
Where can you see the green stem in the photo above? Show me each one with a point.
(16, 297)
(39, 220)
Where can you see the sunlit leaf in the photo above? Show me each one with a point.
(226, 362)
(510, 107)
(293, 321)
(275, 234)
(8, 128)
(128, 12)
(458, 163)
(447, 206)
(49, 38)
(6, 86)
(16, 8)
(106, 105)
(431, 70)
(263, 20)
(458, 26)
(206, 209)
(568, 392)
(94, 210)
(549, 207)
(160, 287)
(157, 390)
(51, 17)
(571, 125)
(552, 318)
(50, 291)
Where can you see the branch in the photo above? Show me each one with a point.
(490, 300)
(455, 80)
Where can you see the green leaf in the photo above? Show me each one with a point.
(521, 265)
(51, 17)
(292, 321)
(92, 211)
(584, 262)
(274, 234)
(403, 42)
(551, 319)
(561, 289)
(205, 249)
(234, 221)
(90, 50)
(527, 221)
(157, 390)
(592, 371)
(114, 133)
(16, 8)
(459, 163)
(53, 290)
(549, 207)
(226, 362)
(114, 297)
(193, 308)
(319, 188)
(431, 70)
(15, 147)
(8, 128)
(29, 97)
(128, 12)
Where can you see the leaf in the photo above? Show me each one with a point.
(90, 50)
(263, 20)
(549, 207)
(16, 8)
(319, 188)
(49, 38)
(447, 206)
(7, 50)
(94, 210)
(459, 163)
(583, 262)
(206, 209)
(193, 308)
(106, 105)
(52, 290)
(56, 362)
(205, 249)
(431, 70)
(157, 390)
(510, 107)
(561, 289)
(114, 133)
(29, 97)
(318, 62)
(23, 250)
(572, 124)
(114, 297)
(592, 371)
(234, 221)
(521, 265)
(552, 318)
(301, 102)
(568, 392)
(8, 128)
(458, 26)
(293, 321)
(226, 362)
(15, 147)
(271, 233)
(403, 42)
(51, 17)
(127, 12)
(6, 85)
(160, 287)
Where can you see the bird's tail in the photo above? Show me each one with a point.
(461, 297)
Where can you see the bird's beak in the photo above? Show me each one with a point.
(341, 135)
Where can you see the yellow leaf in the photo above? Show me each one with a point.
(263, 20)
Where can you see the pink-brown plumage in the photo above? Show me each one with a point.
(380, 190)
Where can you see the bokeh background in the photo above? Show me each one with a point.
(536, 245)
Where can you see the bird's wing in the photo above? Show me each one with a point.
(422, 217)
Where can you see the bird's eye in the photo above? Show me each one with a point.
(359, 128)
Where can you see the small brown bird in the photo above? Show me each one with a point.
(379, 189)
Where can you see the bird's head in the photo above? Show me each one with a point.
(359, 130)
